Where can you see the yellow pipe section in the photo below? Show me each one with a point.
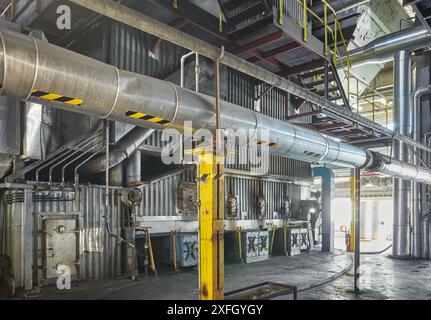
(325, 13)
(150, 251)
(221, 22)
(239, 243)
(304, 4)
(174, 250)
(281, 13)
(274, 228)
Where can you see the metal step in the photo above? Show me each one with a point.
(313, 73)
(335, 98)
(322, 92)
(318, 82)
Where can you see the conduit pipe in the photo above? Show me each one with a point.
(29, 67)
(144, 23)
(382, 49)
(425, 237)
(133, 168)
(197, 69)
(403, 124)
(418, 239)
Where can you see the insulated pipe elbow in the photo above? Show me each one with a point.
(120, 152)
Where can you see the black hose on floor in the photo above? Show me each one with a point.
(330, 279)
(342, 272)
(378, 252)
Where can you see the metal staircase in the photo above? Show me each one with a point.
(326, 82)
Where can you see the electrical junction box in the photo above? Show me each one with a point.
(304, 241)
(187, 199)
(293, 241)
(264, 244)
(255, 246)
(187, 250)
(298, 241)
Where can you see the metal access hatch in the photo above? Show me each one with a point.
(60, 244)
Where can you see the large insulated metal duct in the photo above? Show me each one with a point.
(382, 49)
(403, 124)
(123, 149)
(419, 239)
(46, 74)
(144, 23)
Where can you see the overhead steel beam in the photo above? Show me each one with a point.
(144, 23)
(271, 38)
(196, 16)
(282, 50)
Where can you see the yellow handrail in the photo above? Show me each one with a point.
(373, 95)
(336, 55)
(281, 13)
(305, 18)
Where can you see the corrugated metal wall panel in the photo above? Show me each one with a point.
(100, 255)
(248, 189)
(160, 196)
(130, 48)
(243, 89)
(270, 164)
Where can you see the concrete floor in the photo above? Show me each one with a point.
(383, 278)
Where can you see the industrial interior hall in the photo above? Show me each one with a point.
(215, 149)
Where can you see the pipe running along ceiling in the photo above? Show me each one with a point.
(46, 74)
(382, 49)
(144, 23)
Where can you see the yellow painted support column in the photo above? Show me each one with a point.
(211, 214)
